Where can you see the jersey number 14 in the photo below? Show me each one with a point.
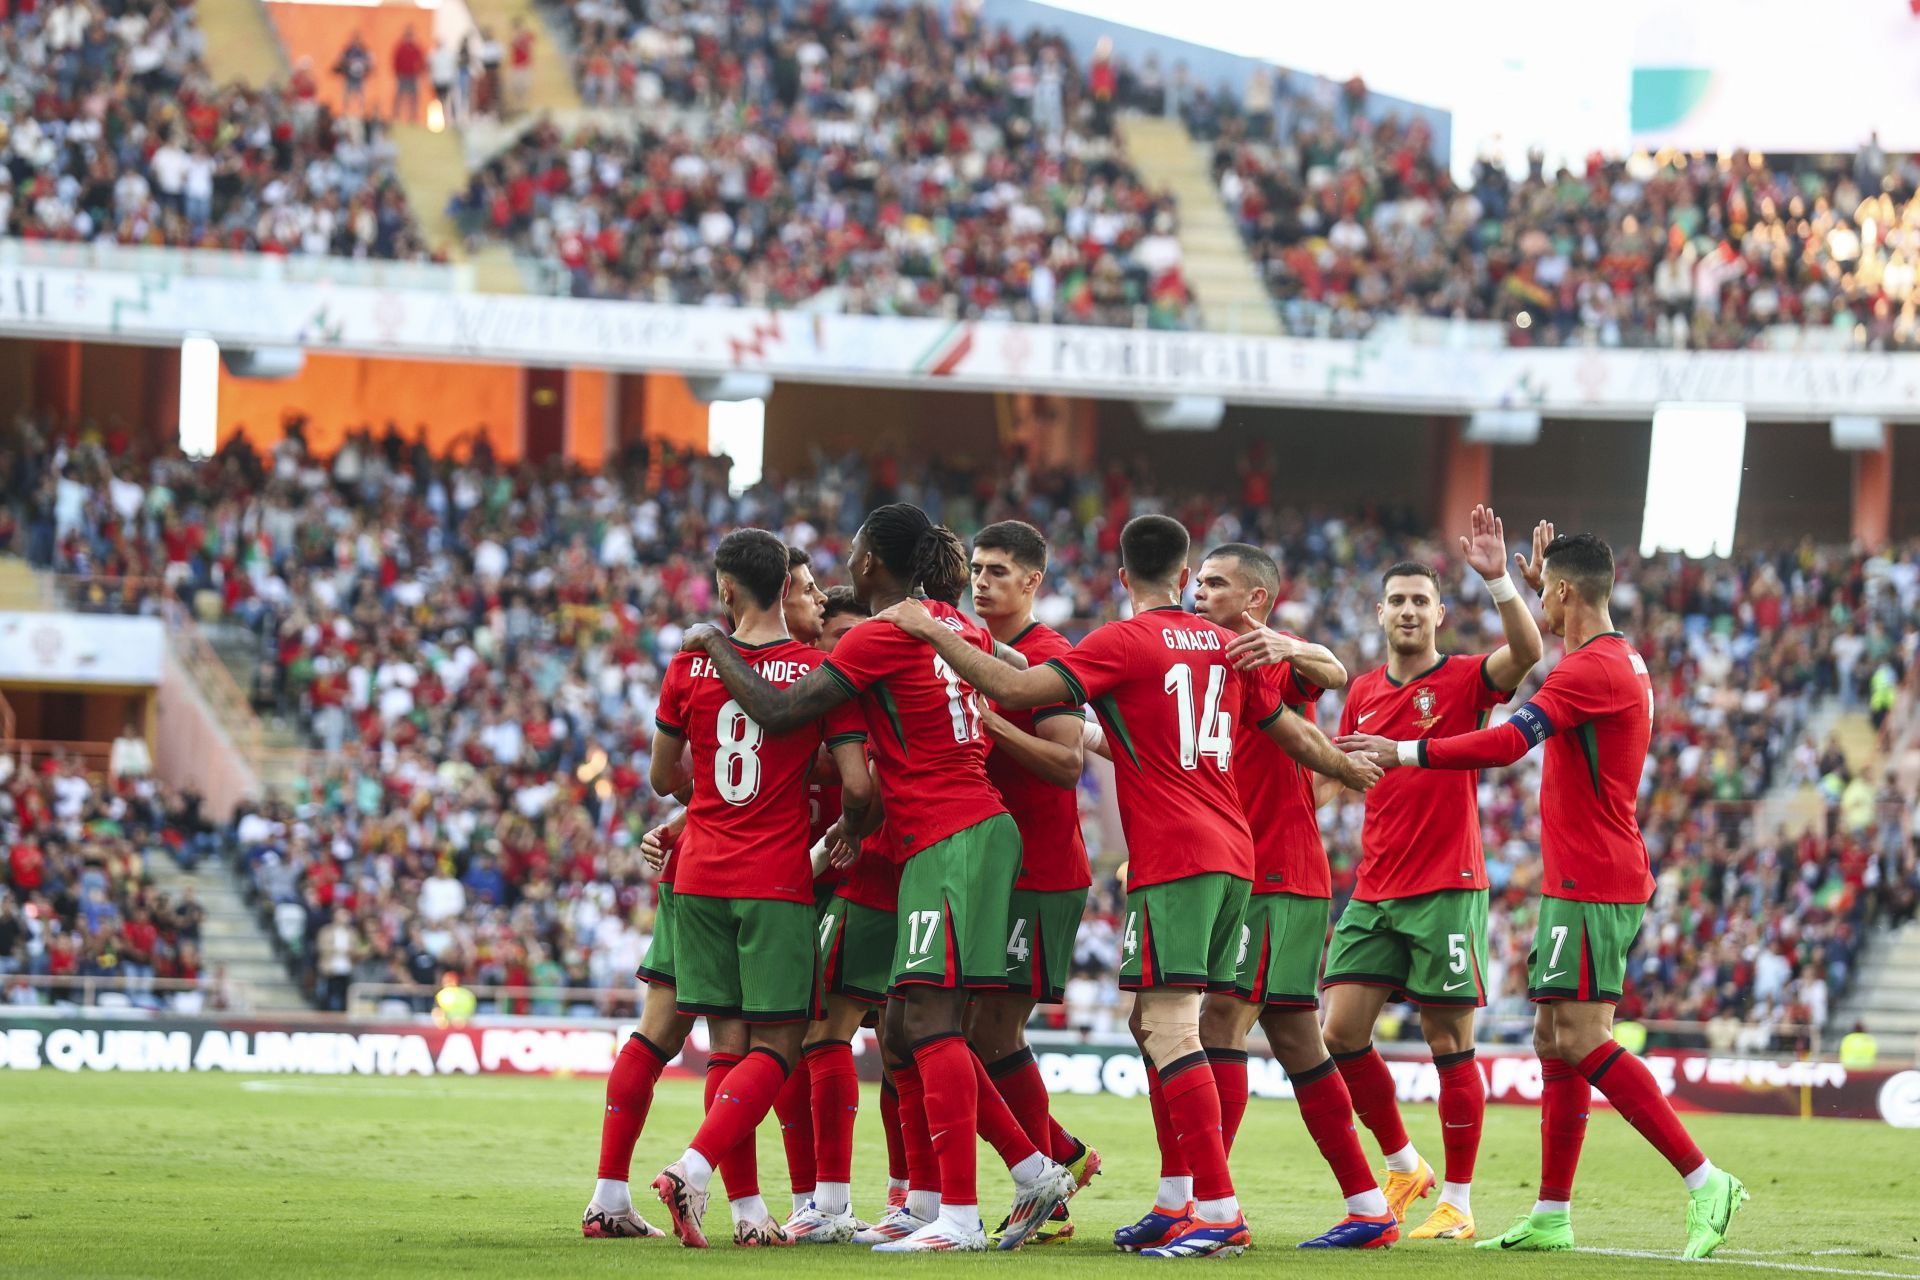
(1208, 733)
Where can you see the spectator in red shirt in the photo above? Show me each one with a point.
(409, 64)
(519, 68)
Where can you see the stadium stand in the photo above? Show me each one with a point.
(115, 131)
(901, 162)
(477, 648)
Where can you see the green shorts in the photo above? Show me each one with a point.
(1280, 948)
(856, 951)
(1580, 949)
(1183, 933)
(656, 966)
(750, 958)
(1432, 947)
(1040, 937)
(953, 904)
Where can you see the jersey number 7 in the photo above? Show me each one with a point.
(1210, 733)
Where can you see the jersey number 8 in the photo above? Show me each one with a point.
(736, 767)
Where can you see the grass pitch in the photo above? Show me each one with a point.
(216, 1175)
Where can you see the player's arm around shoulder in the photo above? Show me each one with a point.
(776, 710)
(1020, 690)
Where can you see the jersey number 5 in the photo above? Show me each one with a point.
(1210, 733)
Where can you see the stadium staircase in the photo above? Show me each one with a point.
(1214, 257)
(231, 939)
(240, 42)
(432, 168)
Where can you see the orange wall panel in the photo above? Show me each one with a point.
(673, 414)
(342, 393)
(321, 31)
(590, 396)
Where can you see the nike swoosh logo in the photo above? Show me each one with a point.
(1506, 1243)
(1455, 986)
(1365, 718)
(911, 964)
(1549, 977)
(1460, 1126)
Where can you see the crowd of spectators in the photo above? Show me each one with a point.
(1351, 218)
(475, 649)
(905, 161)
(77, 900)
(112, 129)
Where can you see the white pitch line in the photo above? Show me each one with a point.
(1752, 1262)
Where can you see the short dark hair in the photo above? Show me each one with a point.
(1259, 566)
(757, 561)
(1585, 560)
(1018, 539)
(796, 557)
(1154, 548)
(1411, 569)
(842, 600)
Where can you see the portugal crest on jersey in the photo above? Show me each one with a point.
(1427, 705)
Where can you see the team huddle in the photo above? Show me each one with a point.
(881, 829)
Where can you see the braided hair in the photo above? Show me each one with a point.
(918, 552)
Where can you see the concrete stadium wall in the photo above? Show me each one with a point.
(191, 748)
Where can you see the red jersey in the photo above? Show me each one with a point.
(923, 728)
(1054, 853)
(1168, 698)
(823, 810)
(1596, 712)
(874, 880)
(1422, 830)
(1276, 791)
(746, 834)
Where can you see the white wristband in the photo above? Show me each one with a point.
(1502, 589)
(1409, 750)
(818, 857)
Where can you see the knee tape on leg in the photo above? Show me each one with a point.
(1169, 1024)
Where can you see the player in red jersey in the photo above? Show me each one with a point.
(1167, 698)
(1417, 922)
(1595, 713)
(743, 885)
(1035, 764)
(960, 849)
(1284, 934)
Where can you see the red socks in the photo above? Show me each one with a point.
(890, 1124)
(1463, 1109)
(739, 1162)
(1370, 1085)
(1173, 1162)
(1016, 1078)
(1327, 1109)
(835, 1103)
(995, 1119)
(1635, 1094)
(1061, 1145)
(794, 1107)
(629, 1095)
(951, 1074)
(1230, 1078)
(923, 1169)
(1564, 1099)
(1193, 1105)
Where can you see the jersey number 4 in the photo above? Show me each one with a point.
(1208, 733)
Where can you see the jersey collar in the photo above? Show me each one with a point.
(744, 647)
(1024, 633)
(1602, 636)
(1164, 608)
(1401, 684)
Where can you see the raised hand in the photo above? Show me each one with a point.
(1485, 544)
(1535, 570)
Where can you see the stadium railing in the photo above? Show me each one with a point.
(266, 268)
(203, 994)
